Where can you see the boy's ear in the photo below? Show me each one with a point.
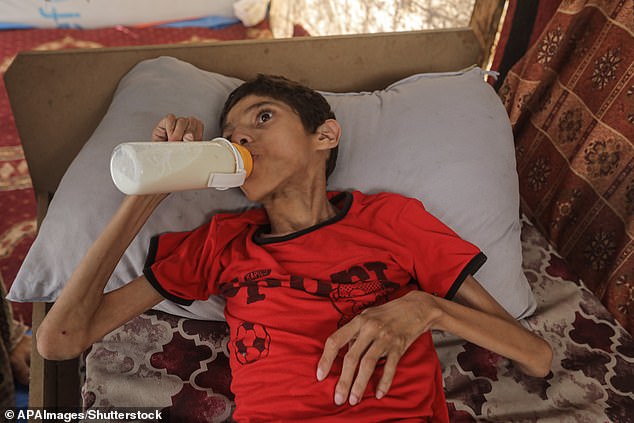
(328, 134)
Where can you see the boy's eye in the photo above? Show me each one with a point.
(264, 116)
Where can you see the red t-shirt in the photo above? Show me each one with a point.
(286, 295)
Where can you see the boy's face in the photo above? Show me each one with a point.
(285, 155)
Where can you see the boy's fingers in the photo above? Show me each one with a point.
(350, 364)
(169, 122)
(160, 132)
(190, 131)
(333, 344)
(196, 128)
(179, 130)
(367, 367)
(389, 370)
(171, 128)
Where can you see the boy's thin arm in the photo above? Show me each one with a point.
(388, 331)
(473, 295)
(82, 313)
(498, 334)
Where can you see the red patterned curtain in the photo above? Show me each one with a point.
(570, 99)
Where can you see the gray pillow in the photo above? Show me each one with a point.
(443, 138)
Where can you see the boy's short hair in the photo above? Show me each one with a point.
(312, 107)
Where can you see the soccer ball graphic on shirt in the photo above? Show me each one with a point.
(252, 343)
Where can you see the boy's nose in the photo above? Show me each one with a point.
(241, 137)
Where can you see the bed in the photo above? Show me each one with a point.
(179, 364)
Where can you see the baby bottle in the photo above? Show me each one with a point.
(162, 167)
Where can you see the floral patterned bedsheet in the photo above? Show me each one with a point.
(181, 366)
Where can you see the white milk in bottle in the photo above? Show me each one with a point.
(162, 167)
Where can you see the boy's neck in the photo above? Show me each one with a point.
(294, 210)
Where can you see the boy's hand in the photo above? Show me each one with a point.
(386, 331)
(172, 128)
